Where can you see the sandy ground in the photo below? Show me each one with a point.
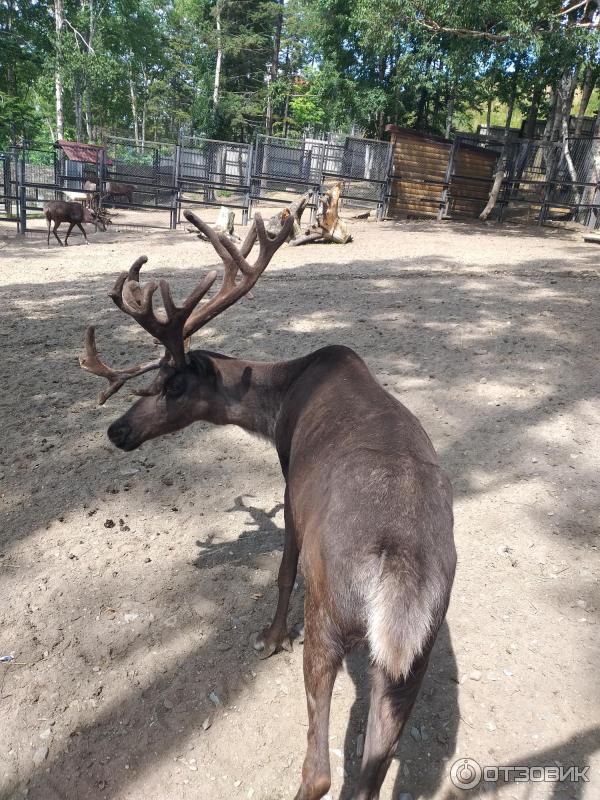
(133, 583)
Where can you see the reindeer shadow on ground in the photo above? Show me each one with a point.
(264, 538)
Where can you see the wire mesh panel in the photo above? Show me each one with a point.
(9, 210)
(40, 175)
(558, 179)
(574, 181)
(362, 166)
(283, 167)
(141, 176)
(214, 173)
(469, 177)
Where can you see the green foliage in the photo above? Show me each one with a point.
(148, 69)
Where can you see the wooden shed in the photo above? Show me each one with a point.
(435, 177)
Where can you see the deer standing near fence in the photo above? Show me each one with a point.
(59, 211)
(367, 507)
(112, 189)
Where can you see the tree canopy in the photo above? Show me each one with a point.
(232, 68)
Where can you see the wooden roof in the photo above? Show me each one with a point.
(78, 151)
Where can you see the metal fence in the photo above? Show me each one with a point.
(363, 168)
(554, 179)
(214, 173)
(283, 167)
(550, 180)
(9, 199)
(150, 169)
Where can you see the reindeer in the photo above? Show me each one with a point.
(367, 506)
(112, 190)
(59, 211)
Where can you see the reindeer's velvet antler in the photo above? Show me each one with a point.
(174, 326)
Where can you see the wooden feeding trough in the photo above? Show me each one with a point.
(434, 177)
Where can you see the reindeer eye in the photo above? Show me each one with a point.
(176, 385)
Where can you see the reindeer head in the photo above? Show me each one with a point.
(96, 218)
(185, 387)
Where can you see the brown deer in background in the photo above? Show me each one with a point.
(367, 507)
(112, 189)
(59, 211)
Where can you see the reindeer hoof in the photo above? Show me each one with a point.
(265, 644)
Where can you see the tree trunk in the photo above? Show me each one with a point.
(217, 81)
(449, 112)
(496, 185)
(78, 111)
(134, 112)
(589, 81)
(564, 101)
(488, 116)
(532, 113)
(144, 105)
(511, 102)
(11, 79)
(88, 115)
(274, 70)
(58, 86)
(551, 114)
(569, 160)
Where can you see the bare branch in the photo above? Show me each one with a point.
(435, 26)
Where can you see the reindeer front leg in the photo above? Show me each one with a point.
(276, 636)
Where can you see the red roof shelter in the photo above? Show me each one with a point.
(78, 151)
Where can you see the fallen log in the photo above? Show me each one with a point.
(329, 226)
(224, 224)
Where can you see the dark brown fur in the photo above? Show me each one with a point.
(113, 190)
(367, 509)
(59, 211)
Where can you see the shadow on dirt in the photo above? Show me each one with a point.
(432, 337)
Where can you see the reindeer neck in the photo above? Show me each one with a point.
(251, 393)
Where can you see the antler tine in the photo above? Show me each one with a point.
(248, 242)
(91, 362)
(210, 233)
(133, 275)
(233, 259)
(136, 301)
(267, 245)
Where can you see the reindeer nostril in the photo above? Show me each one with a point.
(118, 433)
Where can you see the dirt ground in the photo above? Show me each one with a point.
(132, 584)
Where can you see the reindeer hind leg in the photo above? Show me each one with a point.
(390, 707)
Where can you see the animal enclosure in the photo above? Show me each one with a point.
(412, 175)
(134, 583)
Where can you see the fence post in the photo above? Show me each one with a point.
(101, 174)
(6, 182)
(156, 160)
(175, 198)
(58, 172)
(386, 188)
(247, 210)
(443, 210)
(22, 193)
(546, 200)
